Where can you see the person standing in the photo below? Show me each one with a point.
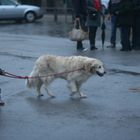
(125, 22)
(80, 12)
(89, 14)
(123, 10)
(93, 20)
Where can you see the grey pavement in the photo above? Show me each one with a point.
(111, 111)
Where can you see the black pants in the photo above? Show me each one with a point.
(92, 35)
(136, 31)
(125, 37)
(82, 21)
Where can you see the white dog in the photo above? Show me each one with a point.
(75, 70)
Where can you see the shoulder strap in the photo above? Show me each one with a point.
(79, 23)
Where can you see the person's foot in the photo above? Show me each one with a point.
(93, 48)
(82, 49)
(111, 46)
(125, 50)
(135, 48)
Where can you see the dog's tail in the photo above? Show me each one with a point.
(33, 79)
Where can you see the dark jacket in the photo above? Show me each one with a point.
(79, 7)
(96, 22)
(113, 6)
(136, 4)
(125, 13)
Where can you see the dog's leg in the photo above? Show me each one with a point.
(80, 93)
(38, 89)
(73, 87)
(46, 82)
(48, 91)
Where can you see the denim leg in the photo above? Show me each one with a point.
(113, 30)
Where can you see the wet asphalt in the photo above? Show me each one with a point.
(111, 110)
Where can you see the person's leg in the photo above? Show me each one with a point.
(125, 38)
(92, 36)
(79, 45)
(82, 24)
(136, 32)
(113, 32)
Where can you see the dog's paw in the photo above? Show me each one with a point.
(72, 94)
(83, 96)
(40, 95)
(52, 96)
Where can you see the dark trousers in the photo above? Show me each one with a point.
(136, 31)
(82, 22)
(125, 37)
(92, 35)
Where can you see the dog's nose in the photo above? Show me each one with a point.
(105, 72)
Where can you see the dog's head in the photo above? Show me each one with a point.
(95, 66)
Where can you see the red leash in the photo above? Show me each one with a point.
(7, 74)
(10, 75)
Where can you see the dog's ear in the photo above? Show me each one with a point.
(90, 66)
(87, 67)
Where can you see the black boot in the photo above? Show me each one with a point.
(80, 46)
(93, 48)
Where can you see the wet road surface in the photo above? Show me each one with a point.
(111, 111)
(43, 27)
(47, 26)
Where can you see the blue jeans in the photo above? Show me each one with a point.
(113, 30)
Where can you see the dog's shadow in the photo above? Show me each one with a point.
(72, 107)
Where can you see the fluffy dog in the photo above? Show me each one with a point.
(75, 70)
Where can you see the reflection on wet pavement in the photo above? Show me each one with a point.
(44, 27)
